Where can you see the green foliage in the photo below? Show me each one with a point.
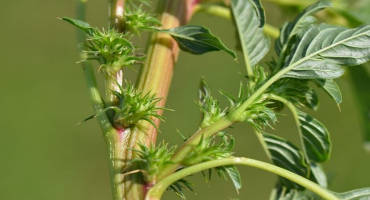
(316, 138)
(249, 19)
(213, 148)
(286, 155)
(197, 40)
(133, 106)
(291, 30)
(298, 92)
(359, 194)
(332, 89)
(180, 186)
(323, 48)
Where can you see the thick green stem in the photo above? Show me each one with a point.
(110, 134)
(156, 192)
(294, 112)
(162, 53)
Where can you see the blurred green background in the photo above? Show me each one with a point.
(45, 156)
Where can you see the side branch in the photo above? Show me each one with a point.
(157, 191)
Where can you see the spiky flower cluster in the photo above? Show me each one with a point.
(151, 160)
(133, 106)
(111, 49)
(209, 106)
(213, 148)
(138, 19)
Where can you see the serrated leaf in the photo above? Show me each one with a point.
(286, 155)
(300, 23)
(234, 176)
(197, 40)
(358, 194)
(332, 89)
(323, 49)
(249, 18)
(84, 26)
(316, 138)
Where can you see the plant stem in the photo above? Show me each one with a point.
(157, 191)
(294, 112)
(110, 134)
(162, 53)
(224, 12)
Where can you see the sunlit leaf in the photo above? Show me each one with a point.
(197, 40)
(322, 50)
(301, 22)
(332, 88)
(249, 18)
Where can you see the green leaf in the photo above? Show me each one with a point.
(197, 40)
(286, 155)
(280, 193)
(250, 18)
(323, 49)
(234, 176)
(84, 26)
(332, 88)
(316, 138)
(180, 186)
(318, 175)
(358, 194)
(300, 23)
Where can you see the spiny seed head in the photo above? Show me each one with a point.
(111, 49)
(135, 105)
(137, 20)
(151, 160)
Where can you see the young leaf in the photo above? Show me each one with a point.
(234, 176)
(303, 20)
(84, 26)
(316, 138)
(323, 48)
(197, 40)
(332, 88)
(359, 194)
(318, 175)
(286, 155)
(250, 18)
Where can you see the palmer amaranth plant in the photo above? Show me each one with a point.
(309, 55)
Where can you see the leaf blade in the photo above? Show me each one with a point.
(316, 138)
(250, 19)
(197, 40)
